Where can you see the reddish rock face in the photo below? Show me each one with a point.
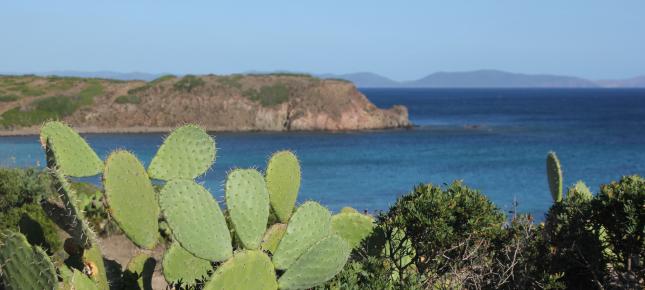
(233, 103)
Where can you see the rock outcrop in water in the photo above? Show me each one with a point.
(273, 102)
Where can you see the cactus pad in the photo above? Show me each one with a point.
(246, 270)
(181, 266)
(79, 228)
(310, 223)
(554, 175)
(248, 204)
(75, 280)
(353, 227)
(139, 272)
(73, 154)
(196, 220)
(318, 264)
(185, 154)
(283, 183)
(131, 198)
(273, 236)
(93, 259)
(24, 266)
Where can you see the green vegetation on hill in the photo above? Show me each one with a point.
(269, 95)
(8, 98)
(188, 83)
(50, 108)
(128, 99)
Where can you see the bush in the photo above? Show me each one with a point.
(619, 216)
(21, 186)
(42, 110)
(188, 83)
(128, 99)
(269, 95)
(8, 98)
(31, 220)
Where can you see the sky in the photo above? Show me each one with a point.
(402, 40)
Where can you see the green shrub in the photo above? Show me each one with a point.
(232, 81)
(269, 95)
(86, 96)
(21, 186)
(32, 221)
(8, 98)
(188, 83)
(619, 214)
(128, 99)
(41, 110)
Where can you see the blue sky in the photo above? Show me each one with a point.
(399, 39)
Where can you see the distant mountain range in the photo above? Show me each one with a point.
(487, 79)
(467, 79)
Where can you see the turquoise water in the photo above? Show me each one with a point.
(495, 140)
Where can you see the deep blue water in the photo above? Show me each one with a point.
(495, 140)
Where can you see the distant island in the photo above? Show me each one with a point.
(262, 102)
(486, 79)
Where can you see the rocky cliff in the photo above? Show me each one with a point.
(274, 102)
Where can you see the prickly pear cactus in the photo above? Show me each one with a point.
(245, 270)
(310, 223)
(181, 266)
(24, 266)
(185, 154)
(93, 260)
(554, 175)
(79, 228)
(319, 263)
(73, 155)
(283, 183)
(75, 280)
(272, 237)
(352, 226)
(196, 220)
(139, 272)
(248, 204)
(131, 198)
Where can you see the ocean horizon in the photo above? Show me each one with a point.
(495, 140)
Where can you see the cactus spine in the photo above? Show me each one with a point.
(554, 176)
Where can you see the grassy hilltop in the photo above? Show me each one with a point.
(275, 102)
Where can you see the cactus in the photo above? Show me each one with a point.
(75, 280)
(187, 153)
(248, 204)
(318, 264)
(139, 272)
(181, 266)
(79, 228)
(24, 266)
(196, 220)
(554, 175)
(73, 155)
(283, 183)
(303, 245)
(353, 227)
(93, 260)
(273, 236)
(310, 223)
(131, 198)
(245, 270)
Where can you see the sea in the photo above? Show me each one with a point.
(493, 140)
